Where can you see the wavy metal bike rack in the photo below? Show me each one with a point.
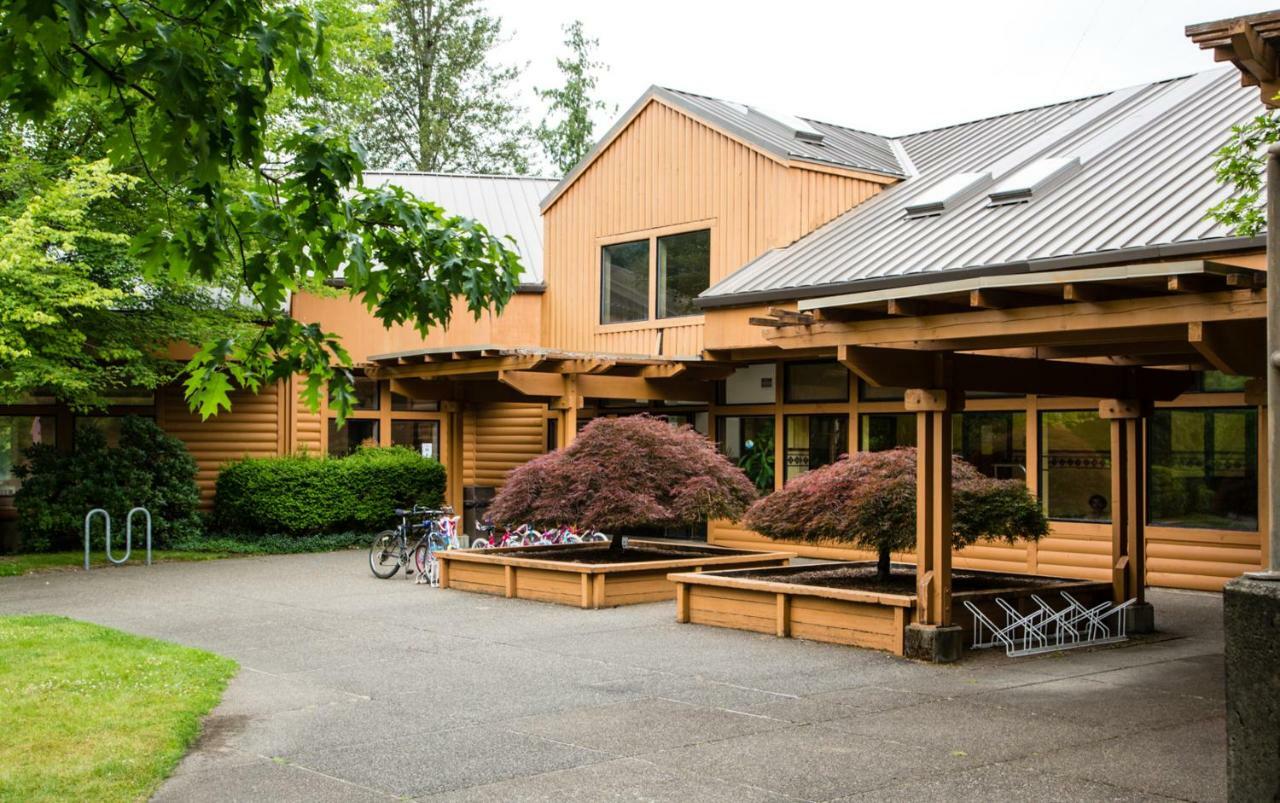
(128, 534)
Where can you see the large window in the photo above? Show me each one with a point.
(624, 282)
(816, 382)
(1203, 468)
(748, 440)
(17, 432)
(995, 443)
(356, 433)
(814, 441)
(367, 394)
(882, 431)
(1075, 466)
(684, 271)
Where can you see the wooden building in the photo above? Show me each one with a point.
(1012, 286)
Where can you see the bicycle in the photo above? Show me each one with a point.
(524, 535)
(442, 534)
(390, 549)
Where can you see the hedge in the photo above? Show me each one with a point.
(148, 468)
(306, 495)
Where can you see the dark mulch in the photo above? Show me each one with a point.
(628, 555)
(863, 578)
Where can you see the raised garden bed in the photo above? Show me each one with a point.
(843, 603)
(586, 576)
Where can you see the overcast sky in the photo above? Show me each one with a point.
(885, 66)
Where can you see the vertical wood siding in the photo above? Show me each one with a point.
(667, 169)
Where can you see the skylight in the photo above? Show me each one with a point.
(946, 194)
(799, 129)
(1035, 178)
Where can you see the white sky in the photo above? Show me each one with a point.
(888, 67)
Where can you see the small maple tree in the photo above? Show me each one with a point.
(623, 473)
(869, 499)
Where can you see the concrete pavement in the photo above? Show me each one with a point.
(353, 688)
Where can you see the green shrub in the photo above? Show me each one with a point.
(148, 468)
(306, 495)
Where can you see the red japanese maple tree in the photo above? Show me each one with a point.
(623, 473)
(869, 499)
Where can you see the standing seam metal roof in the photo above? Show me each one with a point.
(1146, 180)
(506, 205)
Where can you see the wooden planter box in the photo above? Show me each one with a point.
(520, 572)
(838, 615)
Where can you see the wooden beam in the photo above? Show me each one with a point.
(791, 316)
(1204, 283)
(996, 298)
(1140, 320)
(1093, 292)
(1238, 348)
(885, 367)
(534, 383)
(756, 320)
(581, 366)
(918, 307)
(1247, 279)
(428, 370)
(632, 387)
(436, 390)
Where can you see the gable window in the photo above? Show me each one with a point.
(684, 271)
(624, 282)
(655, 278)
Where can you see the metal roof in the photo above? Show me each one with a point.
(1144, 185)
(841, 147)
(506, 205)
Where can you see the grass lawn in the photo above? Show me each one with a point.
(16, 565)
(90, 713)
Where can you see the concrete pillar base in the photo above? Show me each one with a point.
(1251, 620)
(941, 645)
(1139, 618)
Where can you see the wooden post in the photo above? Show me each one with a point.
(1128, 512)
(682, 603)
(933, 504)
(444, 573)
(568, 404)
(783, 624)
(509, 581)
(586, 590)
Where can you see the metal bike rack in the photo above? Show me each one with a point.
(1047, 629)
(128, 534)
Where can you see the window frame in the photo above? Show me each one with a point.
(649, 276)
(651, 321)
(659, 287)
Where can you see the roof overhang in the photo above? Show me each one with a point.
(1250, 44)
(1216, 246)
(492, 373)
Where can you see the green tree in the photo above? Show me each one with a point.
(1241, 164)
(447, 107)
(571, 104)
(188, 95)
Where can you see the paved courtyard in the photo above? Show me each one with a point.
(353, 688)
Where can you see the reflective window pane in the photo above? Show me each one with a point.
(356, 433)
(1218, 382)
(816, 382)
(995, 443)
(624, 282)
(17, 432)
(401, 403)
(108, 425)
(814, 441)
(367, 396)
(421, 436)
(748, 440)
(684, 271)
(1075, 466)
(882, 431)
(1203, 468)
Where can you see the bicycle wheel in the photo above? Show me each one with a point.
(480, 543)
(384, 554)
(422, 559)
